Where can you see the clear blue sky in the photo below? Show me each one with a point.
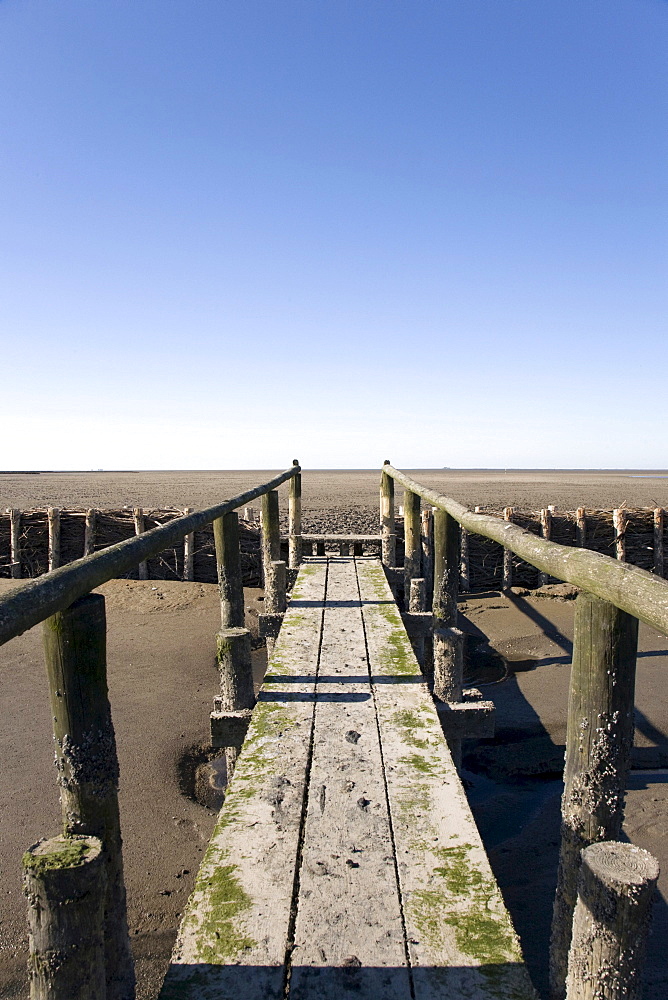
(239, 231)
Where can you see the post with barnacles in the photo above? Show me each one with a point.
(507, 571)
(140, 527)
(274, 569)
(598, 751)
(87, 763)
(53, 515)
(387, 525)
(295, 520)
(615, 888)
(233, 706)
(64, 881)
(412, 543)
(448, 640)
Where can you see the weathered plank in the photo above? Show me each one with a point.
(234, 935)
(349, 938)
(460, 938)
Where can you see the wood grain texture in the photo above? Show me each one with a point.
(234, 933)
(460, 938)
(349, 915)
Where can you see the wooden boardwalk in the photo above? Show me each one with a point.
(345, 861)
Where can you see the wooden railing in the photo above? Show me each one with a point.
(84, 865)
(613, 597)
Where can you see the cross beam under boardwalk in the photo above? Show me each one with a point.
(345, 861)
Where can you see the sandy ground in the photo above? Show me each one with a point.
(162, 679)
(330, 496)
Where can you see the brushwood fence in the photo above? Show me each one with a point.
(636, 535)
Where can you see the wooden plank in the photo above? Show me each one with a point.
(234, 934)
(460, 938)
(349, 938)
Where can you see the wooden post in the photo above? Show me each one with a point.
(295, 520)
(658, 540)
(580, 528)
(249, 514)
(387, 525)
(271, 555)
(446, 568)
(228, 564)
(412, 542)
(15, 542)
(427, 538)
(616, 885)
(418, 594)
(465, 571)
(619, 519)
(53, 515)
(275, 592)
(599, 739)
(417, 601)
(507, 579)
(76, 665)
(64, 881)
(89, 532)
(139, 529)
(358, 548)
(449, 674)
(344, 548)
(189, 551)
(546, 532)
(320, 548)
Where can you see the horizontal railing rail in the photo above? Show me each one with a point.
(632, 589)
(32, 602)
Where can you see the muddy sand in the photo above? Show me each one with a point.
(162, 680)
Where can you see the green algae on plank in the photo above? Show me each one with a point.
(73, 854)
(464, 902)
(220, 931)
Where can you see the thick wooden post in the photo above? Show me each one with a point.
(344, 548)
(580, 528)
(15, 542)
(611, 922)
(598, 750)
(189, 551)
(507, 572)
(546, 532)
(228, 564)
(412, 542)
(64, 881)
(89, 532)
(418, 594)
(449, 674)
(446, 568)
(53, 515)
(295, 520)
(658, 540)
(465, 571)
(427, 539)
(320, 548)
(76, 664)
(387, 526)
(619, 519)
(274, 575)
(139, 529)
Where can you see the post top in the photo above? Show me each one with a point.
(387, 462)
(295, 461)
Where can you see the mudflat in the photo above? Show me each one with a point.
(338, 492)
